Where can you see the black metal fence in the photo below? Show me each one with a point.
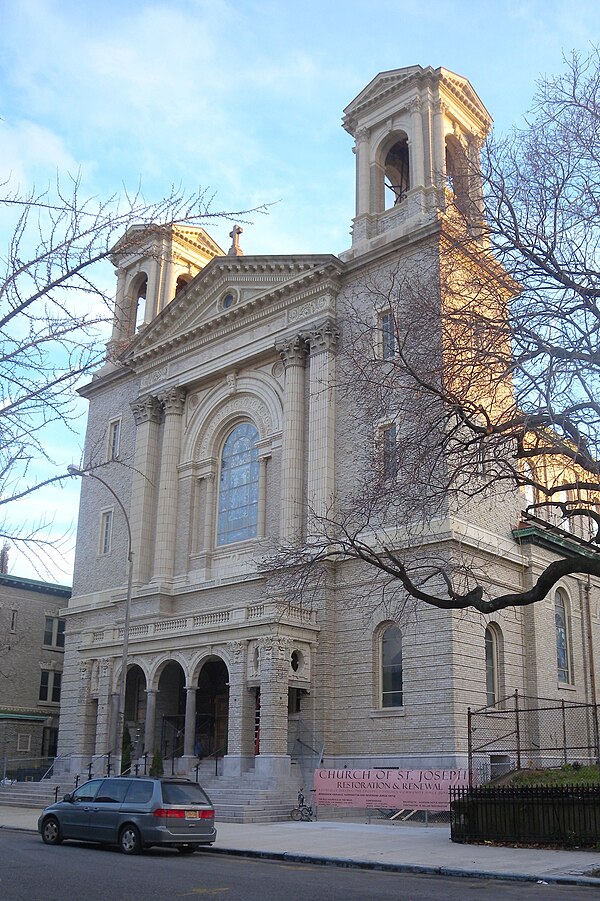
(524, 732)
(565, 815)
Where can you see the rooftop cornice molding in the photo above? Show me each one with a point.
(175, 328)
(408, 82)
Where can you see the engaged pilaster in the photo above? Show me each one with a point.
(146, 413)
(173, 402)
(323, 340)
(274, 655)
(293, 354)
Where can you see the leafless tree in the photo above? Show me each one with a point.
(55, 302)
(483, 375)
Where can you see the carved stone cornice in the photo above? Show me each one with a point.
(293, 351)
(146, 409)
(173, 401)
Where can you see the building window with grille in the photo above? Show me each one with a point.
(493, 646)
(391, 668)
(114, 440)
(50, 685)
(563, 638)
(238, 486)
(388, 337)
(389, 452)
(106, 521)
(54, 632)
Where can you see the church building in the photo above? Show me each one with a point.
(218, 426)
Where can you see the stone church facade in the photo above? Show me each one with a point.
(217, 423)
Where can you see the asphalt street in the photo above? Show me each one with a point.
(32, 871)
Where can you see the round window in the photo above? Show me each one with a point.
(228, 301)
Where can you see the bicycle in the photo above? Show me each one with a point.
(303, 811)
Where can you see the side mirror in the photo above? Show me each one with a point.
(68, 797)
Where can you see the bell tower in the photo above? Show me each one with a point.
(418, 135)
(153, 264)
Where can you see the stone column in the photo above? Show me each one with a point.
(293, 354)
(274, 658)
(114, 722)
(361, 149)
(417, 158)
(261, 525)
(439, 144)
(323, 341)
(122, 314)
(146, 412)
(153, 288)
(173, 402)
(240, 725)
(149, 725)
(102, 743)
(189, 737)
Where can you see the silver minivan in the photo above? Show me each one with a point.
(133, 813)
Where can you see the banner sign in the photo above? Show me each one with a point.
(390, 789)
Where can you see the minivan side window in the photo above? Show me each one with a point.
(88, 791)
(112, 791)
(139, 792)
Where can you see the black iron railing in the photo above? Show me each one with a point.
(565, 815)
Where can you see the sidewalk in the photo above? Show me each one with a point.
(394, 846)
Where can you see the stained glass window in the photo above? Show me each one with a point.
(491, 667)
(563, 661)
(238, 486)
(391, 668)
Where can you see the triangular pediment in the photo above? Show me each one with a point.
(253, 283)
(400, 83)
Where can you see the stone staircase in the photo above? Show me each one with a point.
(244, 799)
(34, 794)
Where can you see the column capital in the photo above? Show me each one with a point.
(236, 649)
(322, 337)
(361, 134)
(173, 401)
(293, 351)
(145, 409)
(415, 105)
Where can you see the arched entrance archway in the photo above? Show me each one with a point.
(135, 707)
(170, 709)
(212, 708)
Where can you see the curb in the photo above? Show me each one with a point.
(351, 863)
(422, 869)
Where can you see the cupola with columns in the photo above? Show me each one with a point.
(418, 134)
(154, 263)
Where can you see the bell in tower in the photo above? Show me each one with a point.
(418, 136)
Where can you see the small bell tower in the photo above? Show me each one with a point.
(153, 264)
(418, 135)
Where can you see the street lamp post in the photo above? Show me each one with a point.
(75, 471)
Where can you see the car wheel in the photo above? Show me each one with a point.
(130, 841)
(186, 849)
(51, 833)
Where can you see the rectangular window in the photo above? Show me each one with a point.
(50, 685)
(106, 531)
(114, 439)
(388, 336)
(23, 742)
(389, 452)
(13, 620)
(54, 632)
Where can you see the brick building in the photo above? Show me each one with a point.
(32, 642)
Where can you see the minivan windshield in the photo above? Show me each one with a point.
(183, 793)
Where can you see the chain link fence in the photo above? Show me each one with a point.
(525, 732)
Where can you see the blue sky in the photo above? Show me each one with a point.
(245, 99)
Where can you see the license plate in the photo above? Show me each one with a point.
(191, 814)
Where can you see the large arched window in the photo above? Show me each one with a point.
(238, 486)
(493, 649)
(563, 641)
(391, 668)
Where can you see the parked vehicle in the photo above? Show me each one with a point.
(133, 813)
